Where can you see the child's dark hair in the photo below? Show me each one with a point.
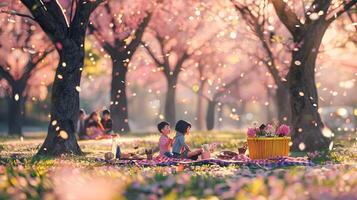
(82, 112)
(181, 126)
(162, 125)
(92, 114)
(106, 112)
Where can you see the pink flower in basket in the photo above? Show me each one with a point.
(251, 132)
(269, 128)
(283, 130)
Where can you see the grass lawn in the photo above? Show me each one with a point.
(22, 177)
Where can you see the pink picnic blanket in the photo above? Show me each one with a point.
(237, 160)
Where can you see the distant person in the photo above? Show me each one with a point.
(179, 148)
(107, 122)
(94, 129)
(165, 142)
(81, 128)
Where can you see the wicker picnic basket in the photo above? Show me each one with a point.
(268, 147)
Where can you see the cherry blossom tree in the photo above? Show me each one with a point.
(165, 38)
(228, 90)
(68, 36)
(212, 71)
(175, 44)
(260, 26)
(118, 28)
(21, 58)
(307, 29)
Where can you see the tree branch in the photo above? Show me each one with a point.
(320, 5)
(139, 34)
(350, 16)
(112, 20)
(29, 34)
(45, 19)
(71, 11)
(109, 48)
(245, 13)
(272, 70)
(32, 64)
(345, 8)
(152, 55)
(43, 56)
(258, 29)
(288, 18)
(56, 11)
(14, 12)
(81, 19)
(315, 7)
(6, 75)
(179, 63)
(161, 41)
(95, 31)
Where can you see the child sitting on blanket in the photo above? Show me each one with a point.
(94, 129)
(107, 122)
(165, 142)
(180, 149)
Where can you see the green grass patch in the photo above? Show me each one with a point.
(23, 176)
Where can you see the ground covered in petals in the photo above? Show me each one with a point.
(25, 177)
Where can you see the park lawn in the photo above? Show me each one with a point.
(23, 177)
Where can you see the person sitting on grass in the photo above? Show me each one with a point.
(107, 122)
(94, 129)
(165, 142)
(81, 129)
(179, 148)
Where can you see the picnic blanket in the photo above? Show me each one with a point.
(236, 160)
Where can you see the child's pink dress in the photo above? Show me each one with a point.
(164, 144)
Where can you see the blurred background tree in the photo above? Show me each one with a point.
(190, 52)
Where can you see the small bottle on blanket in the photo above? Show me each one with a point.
(115, 147)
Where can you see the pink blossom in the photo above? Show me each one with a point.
(251, 132)
(269, 128)
(283, 130)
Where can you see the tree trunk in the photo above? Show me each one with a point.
(220, 116)
(200, 109)
(283, 104)
(69, 40)
(200, 114)
(118, 97)
(307, 134)
(61, 137)
(170, 101)
(210, 116)
(15, 110)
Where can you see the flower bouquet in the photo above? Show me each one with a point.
(207, 150)
(267, 141)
